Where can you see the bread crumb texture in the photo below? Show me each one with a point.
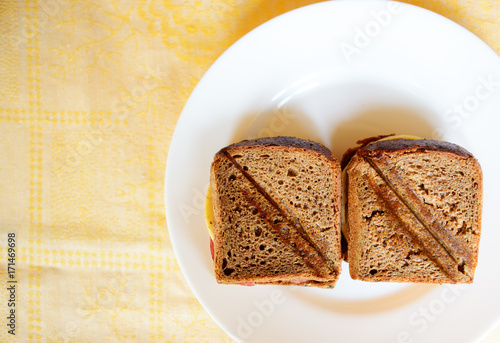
(387, 242)
(279, 223)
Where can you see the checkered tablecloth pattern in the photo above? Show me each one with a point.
(90, 93)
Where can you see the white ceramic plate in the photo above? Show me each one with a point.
(336, 72)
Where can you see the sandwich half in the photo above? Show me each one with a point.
(276, 204)
(413, 211)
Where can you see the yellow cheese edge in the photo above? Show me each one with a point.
(343, 216)
(209, 213)
(399, 137)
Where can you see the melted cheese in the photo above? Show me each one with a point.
(209, 213)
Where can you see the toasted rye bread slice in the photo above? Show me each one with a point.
(414, 212)
(277, 213)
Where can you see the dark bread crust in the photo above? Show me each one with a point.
(283, 141)
(374, 144)
(351, 152)
(410, 145)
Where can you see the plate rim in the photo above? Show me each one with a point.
(214, 66)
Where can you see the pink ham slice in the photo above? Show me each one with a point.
(212, 253)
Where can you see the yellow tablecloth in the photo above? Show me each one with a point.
(90, 92)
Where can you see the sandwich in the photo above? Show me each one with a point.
(276, 213)
(412, 211)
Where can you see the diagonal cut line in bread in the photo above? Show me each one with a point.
(291, 237)
(455, 266)
(304, 246)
